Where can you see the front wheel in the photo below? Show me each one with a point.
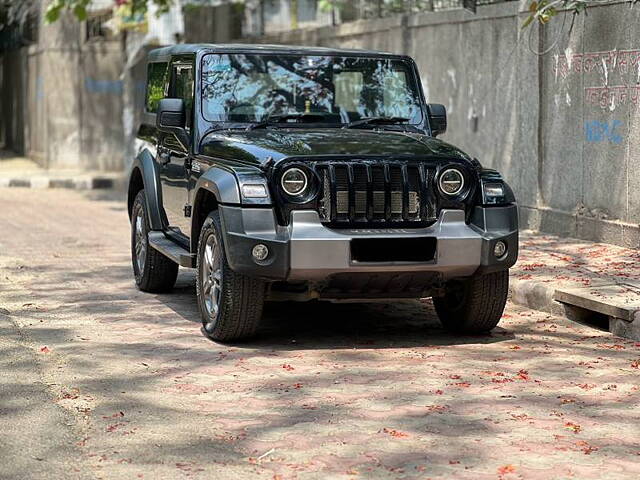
(475, 304)
(230, 303)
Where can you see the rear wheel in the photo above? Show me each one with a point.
(475, 304)
(152, 270)
(230, 303)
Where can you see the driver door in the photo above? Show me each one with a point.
(173, 157)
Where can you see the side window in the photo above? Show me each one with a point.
(183, 88)
(155, 85)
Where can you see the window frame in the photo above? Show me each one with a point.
(188, 62)
(411, 69)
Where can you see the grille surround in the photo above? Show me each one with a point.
(375, 193)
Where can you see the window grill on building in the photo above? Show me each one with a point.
(96, 28)
(20, 27)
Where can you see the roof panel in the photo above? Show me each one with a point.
(185, 49)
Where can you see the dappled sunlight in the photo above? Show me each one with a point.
(325, 390)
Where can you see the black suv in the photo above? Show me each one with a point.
(291, 173)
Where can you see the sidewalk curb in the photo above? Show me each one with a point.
(541, 296)
(535, 295)
(84, 182)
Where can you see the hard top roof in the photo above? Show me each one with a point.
(186, 48)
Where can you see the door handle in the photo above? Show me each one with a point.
(164, 158)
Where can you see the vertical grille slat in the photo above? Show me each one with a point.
(342, 192)
(360, 182)
(396, 190)
(378, 190)
(413, 185)
(375, 193)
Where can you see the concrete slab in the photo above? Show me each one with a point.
(614, 300)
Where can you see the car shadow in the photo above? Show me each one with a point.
(324, 325)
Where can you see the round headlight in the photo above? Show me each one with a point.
(451, 182)
(294, 182)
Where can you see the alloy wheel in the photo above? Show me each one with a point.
(141, 242)
(212, 276)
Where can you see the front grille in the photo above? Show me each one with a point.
(381, 193)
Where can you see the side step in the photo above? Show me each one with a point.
(171, 250)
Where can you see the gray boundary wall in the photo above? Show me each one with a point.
(61, 99)
(564, 128)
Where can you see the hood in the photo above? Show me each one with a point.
(258, 146)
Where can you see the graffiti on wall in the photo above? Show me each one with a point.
(609, 97)
(597, 131)
(113, 87)
(621, 62)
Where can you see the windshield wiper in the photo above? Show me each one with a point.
(376, 121)
(275, 119)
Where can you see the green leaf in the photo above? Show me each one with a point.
(80, 12)
(52, 14)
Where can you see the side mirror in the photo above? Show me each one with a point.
(171, 117)
(437, 119)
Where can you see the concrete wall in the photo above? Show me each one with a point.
(562, 127)
(61, 100)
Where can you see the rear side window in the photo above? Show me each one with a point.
(155, 85)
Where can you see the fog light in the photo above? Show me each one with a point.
(500, 249)
(260, 252)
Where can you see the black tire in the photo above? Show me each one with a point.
(155, 273)
(240, 298)
(475, 304)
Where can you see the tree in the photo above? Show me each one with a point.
(79, 7)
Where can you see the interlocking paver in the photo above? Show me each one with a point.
(327, 392)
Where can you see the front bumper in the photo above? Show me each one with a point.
(307, 250)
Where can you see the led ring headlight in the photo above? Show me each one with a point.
(294, 182)
(451, 182)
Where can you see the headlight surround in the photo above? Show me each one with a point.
(451, 182)
(294, 182)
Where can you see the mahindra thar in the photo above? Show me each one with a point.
(294, 173)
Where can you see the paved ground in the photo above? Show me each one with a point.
(102, 381)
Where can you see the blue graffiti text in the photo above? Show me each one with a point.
(596, 131)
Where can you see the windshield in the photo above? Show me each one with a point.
(253, 88)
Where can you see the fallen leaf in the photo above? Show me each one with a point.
(586, 447)
(395, 433)
(463, 384)
(573, 426)
(506, 469)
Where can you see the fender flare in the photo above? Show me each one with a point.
(146, 164)
(222, 183)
